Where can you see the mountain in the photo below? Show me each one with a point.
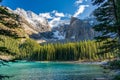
(37, 27)
(80, 30)
(32, 22)
(76, 30)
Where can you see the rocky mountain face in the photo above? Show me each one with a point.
(75, 31)
(80, 30)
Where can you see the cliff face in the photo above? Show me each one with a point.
(79, 30)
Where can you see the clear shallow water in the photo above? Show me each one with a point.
(51, 71)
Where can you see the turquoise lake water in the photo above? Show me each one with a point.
(51, 71)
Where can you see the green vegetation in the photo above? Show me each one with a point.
(114, 64)
(10, 44)
(116, 77)
(31, 50)
(85, 50)
(28, 48)
(10, 33)
(8, 19)
(108, 17)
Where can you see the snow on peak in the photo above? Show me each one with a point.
(31, 17)
(54, 21)
(58, 35)
(20, 12)
(52, 18)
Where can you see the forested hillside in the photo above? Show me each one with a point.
(11, 34)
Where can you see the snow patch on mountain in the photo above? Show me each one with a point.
(58, 35)
(57, 22)
(31, 17)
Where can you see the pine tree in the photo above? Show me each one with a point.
(108, 16)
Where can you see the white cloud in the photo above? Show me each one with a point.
(46, 15)
(80, 10)
(58, 14)
(54, 17)
(53, 14)
(78, 2)
(80, 6)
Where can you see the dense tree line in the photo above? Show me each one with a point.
(84, 50)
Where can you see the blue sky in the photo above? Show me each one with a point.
(76, 8)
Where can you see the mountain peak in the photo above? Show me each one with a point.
(73, 19)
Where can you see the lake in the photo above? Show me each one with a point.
(51, 71)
